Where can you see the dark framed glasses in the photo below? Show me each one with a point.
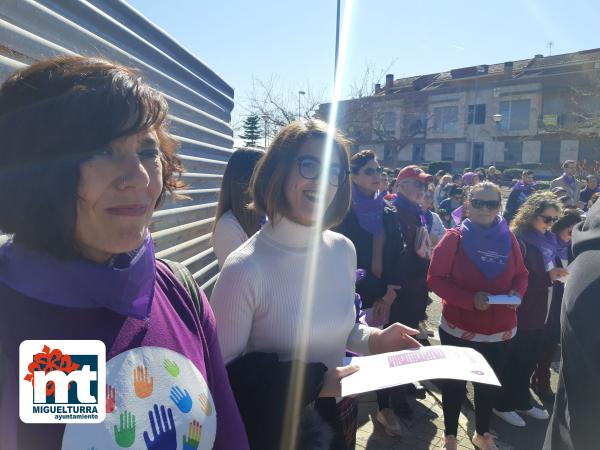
(370, 171)
(549, 219)
(489, 204)
(311, 169)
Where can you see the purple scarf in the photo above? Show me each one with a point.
(368, 211)
(562, 248)
(546, 243)
(125, 286)
(400, 202)
(457, 215)
(571, 182)
(488, 248)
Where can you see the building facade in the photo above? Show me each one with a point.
(535, 112)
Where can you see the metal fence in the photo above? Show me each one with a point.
(200, 102)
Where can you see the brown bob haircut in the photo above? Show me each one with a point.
(54, 115)
(272, 171)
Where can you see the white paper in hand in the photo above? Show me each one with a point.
(424, 363)
(504, 300)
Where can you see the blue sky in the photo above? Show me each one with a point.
(293, 41)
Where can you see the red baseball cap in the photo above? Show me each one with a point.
(414, 173)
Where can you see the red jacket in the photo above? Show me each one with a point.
(456, 279)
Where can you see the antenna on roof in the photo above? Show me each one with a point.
(550, 44)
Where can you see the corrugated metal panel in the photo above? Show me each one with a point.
(200, 102)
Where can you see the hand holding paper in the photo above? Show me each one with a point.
(424, 363)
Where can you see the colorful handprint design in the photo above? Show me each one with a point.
(171, 367)
(111, 396)
(192, 440)
(205, 404)
(156, 391)
(181, 399)
(142, 383)
(165, 436)
(125, 434)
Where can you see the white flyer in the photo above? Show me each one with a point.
(423, 363)
(504, 300)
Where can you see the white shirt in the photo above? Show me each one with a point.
(227, 236)
(437, 226)
(260, 297)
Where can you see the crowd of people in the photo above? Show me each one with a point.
(87, 158)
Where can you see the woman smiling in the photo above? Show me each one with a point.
(478, 259)
(259, 299)
(85, 160)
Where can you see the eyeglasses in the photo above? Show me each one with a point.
(310, 168)
(370, 171)
(489, 204)
(549, 219)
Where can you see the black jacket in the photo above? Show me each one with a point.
(515, 199)
(574, 424)
(260, 384)
(372, 288)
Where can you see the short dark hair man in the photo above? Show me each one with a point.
(520, 191)
(567, 180)
(590, 189)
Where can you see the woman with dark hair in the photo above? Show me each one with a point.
(235, 222)
(478, 259)
(371, 227)
(532, 226)
(86, 158)
(540, 381)
(284, 300)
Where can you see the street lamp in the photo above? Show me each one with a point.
(299, 94)
(497, 118)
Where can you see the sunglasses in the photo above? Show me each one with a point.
(370, 171)
(489, 204)
(310, 168)
(549, 219)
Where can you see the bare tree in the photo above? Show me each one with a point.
(365, 85)
(278, 106)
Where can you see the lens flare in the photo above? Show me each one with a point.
(294, 400)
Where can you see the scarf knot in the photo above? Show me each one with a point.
(488, 248)
(368, 210)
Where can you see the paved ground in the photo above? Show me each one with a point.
(426, 429)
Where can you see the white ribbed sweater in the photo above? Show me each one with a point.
(258, 297)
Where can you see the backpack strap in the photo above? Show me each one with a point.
(184, 276)
(523, 247)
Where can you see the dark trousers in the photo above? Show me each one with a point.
(410, 306)
(454, 392)
(342, 418)
(383, 398)
(525, 349)
(409, 309)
